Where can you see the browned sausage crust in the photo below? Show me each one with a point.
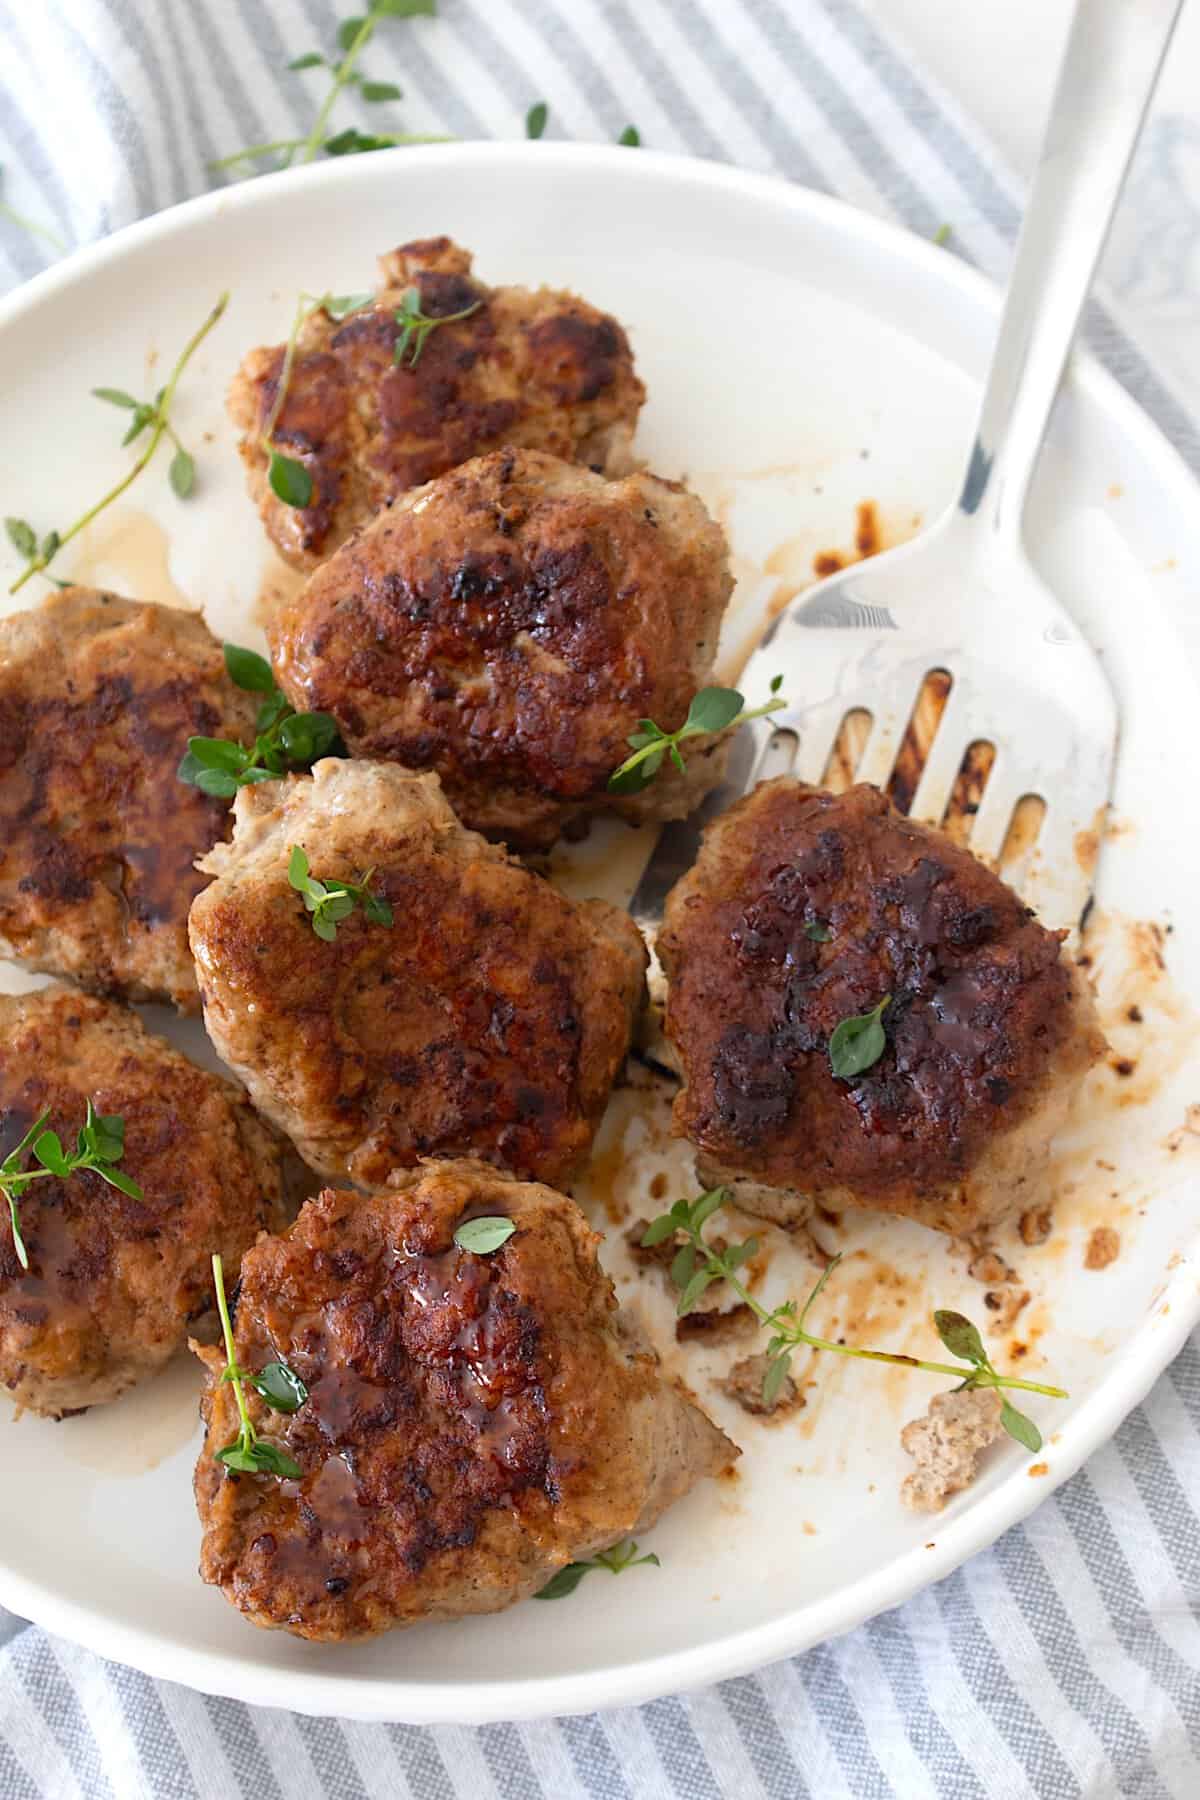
(491, 1019)
(538, 368)
(112, 1281)
(508, 626)
(473, 1422)
(988, 1026)
(98, 697)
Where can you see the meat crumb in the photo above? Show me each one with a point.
(715, 1326)
(946, 1444)
(744, 1383)
(1004, 1304)
(989, 1268)
(1036, 1225)
(1103, 1247)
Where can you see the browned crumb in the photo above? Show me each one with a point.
(1103, 1247)
(1005, 1303)
(1036, 1225)
(946, 1444)
(744, 1383)
(1038, 1469)
(650, 1256)
(990, 1268)
(715, 1326)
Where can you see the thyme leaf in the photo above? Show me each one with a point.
(483, 1236)
(616, 1560)
(857, 1043)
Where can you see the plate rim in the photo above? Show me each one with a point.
(1148, 1351)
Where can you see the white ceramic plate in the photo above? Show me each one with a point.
(800, 357)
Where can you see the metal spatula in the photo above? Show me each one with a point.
(962, 599)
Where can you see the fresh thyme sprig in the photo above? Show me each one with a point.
(24, 223)
(697, 1263)
(279, 1386)
(286, 739)
(353, 36)
(331, 901)
(146, 413)
(290, 480)
(156, 417)
(619, 1558)
(713, 709)
(418, 325)
(99, 1146)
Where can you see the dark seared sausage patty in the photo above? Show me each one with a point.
(113, 1281)
(806, 909)
(473, 1422)
(537, 368)
(508, 626)
(98, 837)
(490, 1020)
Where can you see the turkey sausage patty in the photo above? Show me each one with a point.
(805, 909)
(532, 367)
(112, 1281)
(490, 1018)
(509, 626)
(98, 837)
(473, 1422)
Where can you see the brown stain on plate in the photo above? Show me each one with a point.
(870, 536)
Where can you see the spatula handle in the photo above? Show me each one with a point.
(1113, 56)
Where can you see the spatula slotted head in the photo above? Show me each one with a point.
(966, 693)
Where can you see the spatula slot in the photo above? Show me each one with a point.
(966, 796)
(919, 734)
(1024, 829)
(848, 747)
(779, 755)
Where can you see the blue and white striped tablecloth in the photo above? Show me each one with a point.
(1064, 1662)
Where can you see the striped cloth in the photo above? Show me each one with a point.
(1066, 1661)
